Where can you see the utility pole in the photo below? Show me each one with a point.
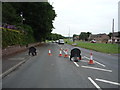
(113, 31)
(69, 34)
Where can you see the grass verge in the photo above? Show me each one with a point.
(100, 47)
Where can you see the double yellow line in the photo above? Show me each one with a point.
(2, 28)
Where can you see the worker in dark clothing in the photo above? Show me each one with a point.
(75, 52)
(32, 50)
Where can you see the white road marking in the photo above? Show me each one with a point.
(97, 68)
(95, 61)
(68, 56)
(99, 63)
(107, 81)
(83, 60)
(94, 83)
(76, 64)
(86, 57)
(8, 71)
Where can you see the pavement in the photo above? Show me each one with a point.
(44, 71)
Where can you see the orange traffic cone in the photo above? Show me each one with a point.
(60, 53)
(66, 53)
(49, 52)
(91, 59)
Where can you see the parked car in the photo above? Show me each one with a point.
(61, 41)
(93, 41)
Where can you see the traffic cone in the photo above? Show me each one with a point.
(91, 59)
(66, 53)
(60, 53)
(49, 52)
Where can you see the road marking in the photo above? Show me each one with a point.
(83, 60)
(76, 64)
(86, 57)
(68, 56)
(64, 52)
(99, 63)
(97, 68)
(107, 81)
(94, 83)
(95, 61)
(12, 68)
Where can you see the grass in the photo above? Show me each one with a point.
(100, 47)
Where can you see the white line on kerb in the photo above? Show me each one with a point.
(107, 81)
(97, 68)
(95, 61)
(94, 83)
(12, 68)
(76, 64)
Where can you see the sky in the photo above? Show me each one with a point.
(76, 16)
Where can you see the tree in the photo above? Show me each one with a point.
(38, 22)
(84, 36)
(54, 36)
(74, 35)
(9, 14)
(38, 15)
(110, 35)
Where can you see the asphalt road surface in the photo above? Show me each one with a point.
(44, 71)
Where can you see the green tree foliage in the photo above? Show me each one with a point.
(9, 14)
(110, 35)
(74, 35)
(38, 16)
(84, 36)
(54, 36)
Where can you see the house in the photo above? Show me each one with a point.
(76, 37)
(115, 38)
(100, 38)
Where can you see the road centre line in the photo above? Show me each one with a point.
(95, 61)
(94, 83)
(97, 68)
(106, 81)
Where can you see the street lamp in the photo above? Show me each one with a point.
(23, 19)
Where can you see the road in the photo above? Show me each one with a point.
(44, 71)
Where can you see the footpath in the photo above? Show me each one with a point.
(14, 56)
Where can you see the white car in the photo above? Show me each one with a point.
(61, 41)
(93, 41)
(57, 41)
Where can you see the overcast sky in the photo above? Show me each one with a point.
(78, 16)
